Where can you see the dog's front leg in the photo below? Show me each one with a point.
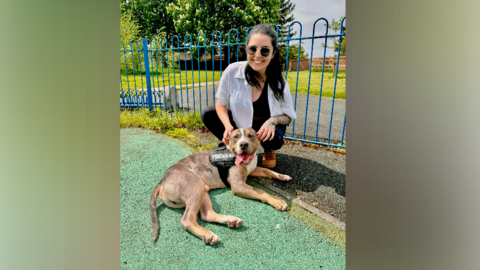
(263, 172)
(237, 177)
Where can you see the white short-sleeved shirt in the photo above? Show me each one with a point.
(234, 89)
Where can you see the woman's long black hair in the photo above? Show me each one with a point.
(274, 68)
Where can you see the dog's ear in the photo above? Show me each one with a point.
(252, 132)
(230, 137)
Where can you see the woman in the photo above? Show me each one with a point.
(258, 95)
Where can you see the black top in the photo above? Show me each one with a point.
(261, 110)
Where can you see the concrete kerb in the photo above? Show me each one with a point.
(341, 225)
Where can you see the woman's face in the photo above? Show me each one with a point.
(257, 61)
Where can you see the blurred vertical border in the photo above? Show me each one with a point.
(412, 123)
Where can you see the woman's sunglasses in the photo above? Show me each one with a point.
(264, 51)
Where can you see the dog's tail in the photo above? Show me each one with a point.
(153, 212)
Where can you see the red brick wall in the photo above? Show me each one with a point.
(317, 62)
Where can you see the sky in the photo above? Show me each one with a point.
(307, 12)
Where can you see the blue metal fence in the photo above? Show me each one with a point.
(150, 66)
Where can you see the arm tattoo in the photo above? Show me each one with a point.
(270, 123)
(281, 119)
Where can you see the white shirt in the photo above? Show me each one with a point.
(234, 89)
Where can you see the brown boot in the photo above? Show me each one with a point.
(269, 160)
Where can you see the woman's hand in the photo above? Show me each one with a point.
(227, 132)
(267, 131)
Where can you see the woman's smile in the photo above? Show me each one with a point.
(257, 61)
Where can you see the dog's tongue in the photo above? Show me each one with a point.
(244, 158)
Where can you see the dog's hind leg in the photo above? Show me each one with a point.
(207, 214)
(189, 219)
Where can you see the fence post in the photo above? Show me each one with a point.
(147, 74)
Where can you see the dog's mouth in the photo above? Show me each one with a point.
(244, 158)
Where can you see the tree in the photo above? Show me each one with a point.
(336, 41)
(292, 52)
(129, 30)
(154, 23)
(206, 16)
(343, 47)
(151, 16)
(286, 18)
(335, 26)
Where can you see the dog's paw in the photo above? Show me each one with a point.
(279, 204)
(284, 177)
(234, 222)
(211, 239)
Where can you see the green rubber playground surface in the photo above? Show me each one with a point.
(268, 239)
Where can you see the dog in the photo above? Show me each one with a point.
(187, 182)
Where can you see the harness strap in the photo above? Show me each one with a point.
(223, 159)
(223, 171)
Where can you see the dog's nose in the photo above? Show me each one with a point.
(243, 145)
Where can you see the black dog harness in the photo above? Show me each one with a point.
(223, 159)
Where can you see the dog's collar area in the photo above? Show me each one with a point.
(221, 146)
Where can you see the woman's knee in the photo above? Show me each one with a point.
(277, 141)
(207, 112)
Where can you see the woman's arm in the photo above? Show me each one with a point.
(222, 113)
(267, 131)
(281, 119)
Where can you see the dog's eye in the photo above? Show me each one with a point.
(250, 135)
(235, 137)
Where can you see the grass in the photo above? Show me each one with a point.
(315, 82)
(139, 80)
(319, 225)
(178, 125)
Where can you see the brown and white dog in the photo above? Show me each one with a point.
(187, 182)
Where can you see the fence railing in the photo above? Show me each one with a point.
(184, 77)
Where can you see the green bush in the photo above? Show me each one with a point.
(183, 134)
(158, 119)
